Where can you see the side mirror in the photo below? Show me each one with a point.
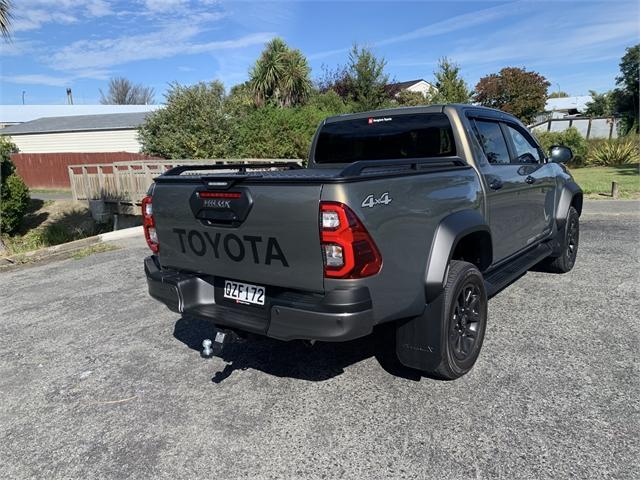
(560, 154)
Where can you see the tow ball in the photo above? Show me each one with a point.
(211, 348)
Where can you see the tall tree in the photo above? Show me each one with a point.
(335, 80)
(451, 88)
(513, 90)
(407, 98)
(601, 104)
(123, 92)
(558, 94)
(367, 79)
(5, 18)
(280, 76)
(627, 95)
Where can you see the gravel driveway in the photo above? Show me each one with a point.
(98, 380)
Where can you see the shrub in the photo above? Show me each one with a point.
(193, 124)
(14, 200)
(613, 152)
(330, 102)
(569, 138)
(7, 147)
(14, 194)
(271, 132)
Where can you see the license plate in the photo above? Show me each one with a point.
(244, 292)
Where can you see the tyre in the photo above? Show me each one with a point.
(567, 259)
(464, 320)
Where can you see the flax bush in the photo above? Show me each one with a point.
(609, 153)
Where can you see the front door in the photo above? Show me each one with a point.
(539, 180)
(508, 202)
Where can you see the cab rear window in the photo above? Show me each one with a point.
(386, 138)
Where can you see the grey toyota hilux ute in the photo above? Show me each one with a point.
(415, 216)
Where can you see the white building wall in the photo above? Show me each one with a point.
(95, 141)
(423, 87)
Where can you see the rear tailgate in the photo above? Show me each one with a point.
(274, 239)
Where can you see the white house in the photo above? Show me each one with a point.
(420, 85)
(114, 132)
(14, 114)
(567, 106)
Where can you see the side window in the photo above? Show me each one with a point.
(493, 142)
(526, 151)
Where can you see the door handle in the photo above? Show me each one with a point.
(495, 184)
(530, 180)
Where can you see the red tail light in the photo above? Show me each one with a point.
(149, 225)
(347, 248)
(219, 195)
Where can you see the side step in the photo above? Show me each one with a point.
(506, 274)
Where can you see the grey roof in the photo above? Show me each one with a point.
(26, 113)
(407, 84)
(78, 123)
(568, 103)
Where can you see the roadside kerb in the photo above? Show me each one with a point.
(67, 249)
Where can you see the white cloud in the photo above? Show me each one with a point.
(459, 22)
(95, 57)
(172, 40)
(98, 8)
(34, 19)
(16, 48)
(450, 25)
(33, 14)
(589, 39)
(37, 79)
(55, 80)
(158, 6)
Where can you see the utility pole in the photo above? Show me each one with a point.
(23, 92)
(69, 97)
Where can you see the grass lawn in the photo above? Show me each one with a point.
(596, 181)
(51, 190)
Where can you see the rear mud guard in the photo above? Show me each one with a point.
(419, 339)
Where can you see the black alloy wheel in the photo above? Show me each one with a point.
(466, 317)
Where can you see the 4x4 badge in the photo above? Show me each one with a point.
(371, 202)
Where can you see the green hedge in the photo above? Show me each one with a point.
(199, 121)
(14, 194)
(595, 152)
(569, 138)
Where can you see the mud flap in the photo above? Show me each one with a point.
(420, 340)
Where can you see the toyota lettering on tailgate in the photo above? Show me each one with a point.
(234, 247)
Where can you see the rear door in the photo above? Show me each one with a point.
(267, 235)
(507, 201)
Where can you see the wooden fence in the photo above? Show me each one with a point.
(126, 183)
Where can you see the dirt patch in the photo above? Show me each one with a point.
(52, 222)
(64, 212)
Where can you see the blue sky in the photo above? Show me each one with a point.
(577, 45)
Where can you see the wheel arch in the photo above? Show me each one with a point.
(570, 196)
(464, 234)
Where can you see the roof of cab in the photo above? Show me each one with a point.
(435, 108)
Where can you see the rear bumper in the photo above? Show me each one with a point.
(336, 316)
